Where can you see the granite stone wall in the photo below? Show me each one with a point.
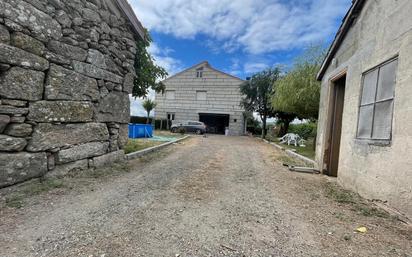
(66, 69)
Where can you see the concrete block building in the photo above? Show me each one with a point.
(365, 122)
(202, 93)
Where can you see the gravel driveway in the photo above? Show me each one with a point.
(215, 196)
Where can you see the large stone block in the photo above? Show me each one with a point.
(48, 136)
(95, 72)
(96, 58)
(115, 107)
(4, 35)
(19, 130)
(123, 135)
(69, 51)
(90, 15)
(60, 111)
(27, 43)
(128, 83)
(15, 56)
(12, 144)
(19, 167)
(64, 169)
(39, 23)
(11, 110)
(64, 84)
(4, 121)
(109, 159)
(16, 103)
(24, 84)
(82, 151)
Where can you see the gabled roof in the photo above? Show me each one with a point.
(131, 16)
(204, 63)
(347, 22)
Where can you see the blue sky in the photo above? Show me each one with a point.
(240, 37)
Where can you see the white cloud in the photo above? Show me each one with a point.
(256, 26)
(253, 67)
(162, 58)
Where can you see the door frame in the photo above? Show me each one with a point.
(330, 122)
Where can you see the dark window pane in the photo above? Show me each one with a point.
(369, 87)
(386, 84)
(365, 121)
(382, 124)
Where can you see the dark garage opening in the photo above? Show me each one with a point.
(216, 123)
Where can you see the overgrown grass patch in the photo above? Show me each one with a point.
(358, 204)
(307, 151)
(16, 199)
(289, 160)
(134, 145)
(115, 168)
(339, 194)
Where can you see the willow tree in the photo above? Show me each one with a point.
(298, 91)
(148, 74)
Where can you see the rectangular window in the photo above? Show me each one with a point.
(171, 116)
(376, 103)
(170, 94)
(201, 95)
(199, 72)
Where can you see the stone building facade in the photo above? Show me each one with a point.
(66, 70)
(202, 93)
(365, 121)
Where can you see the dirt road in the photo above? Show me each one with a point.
(215, 196)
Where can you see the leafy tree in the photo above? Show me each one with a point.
(148, 73)
(299, 91)
(283, 120)
(149, 105)
(257, 92)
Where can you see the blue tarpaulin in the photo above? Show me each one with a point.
(140, 130)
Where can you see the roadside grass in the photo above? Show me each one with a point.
(134, 145)
(357, 203)
(111, 170)
(289, 160)
(21, 193)
(16, 199)
(166, 133)
(307, 151)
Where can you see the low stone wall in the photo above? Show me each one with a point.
(66, 69)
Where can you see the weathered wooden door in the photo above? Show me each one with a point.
(338, 96)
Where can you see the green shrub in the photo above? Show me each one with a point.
(305, 130)
(139, 120)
